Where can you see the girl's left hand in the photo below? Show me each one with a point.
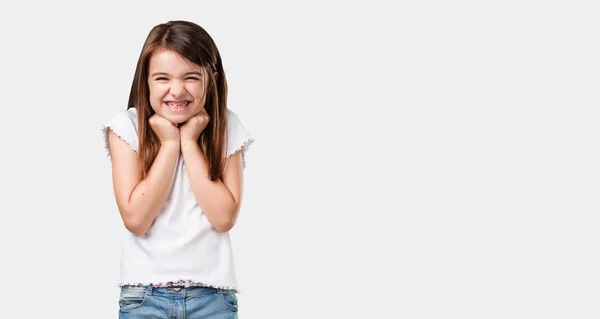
(192, 128)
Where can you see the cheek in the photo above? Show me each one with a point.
(196, 90)
(156, 96)
(157, 91)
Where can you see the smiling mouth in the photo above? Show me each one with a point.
(177, 106)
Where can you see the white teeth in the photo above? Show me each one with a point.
(178, 105)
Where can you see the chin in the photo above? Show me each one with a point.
(173, 117)
(177, 119)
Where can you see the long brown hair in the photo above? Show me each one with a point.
(195, 44)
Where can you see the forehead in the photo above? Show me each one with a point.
(169, 61)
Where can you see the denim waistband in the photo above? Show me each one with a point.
(177, 291)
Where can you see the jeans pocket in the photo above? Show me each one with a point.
(132, 298)
(229, 299)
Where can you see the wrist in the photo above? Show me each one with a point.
(189, 143)
(174, 145)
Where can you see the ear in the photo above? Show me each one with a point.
(216, 75)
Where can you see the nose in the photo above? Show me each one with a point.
(177, 89)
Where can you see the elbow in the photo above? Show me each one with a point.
(226, 221)
(224, 226)
(133, 224)
(136, 227)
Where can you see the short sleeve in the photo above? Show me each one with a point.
(124, 125)
(238, 137)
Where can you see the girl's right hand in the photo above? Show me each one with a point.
(166, 131)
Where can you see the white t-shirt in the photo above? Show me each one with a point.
(181, 245)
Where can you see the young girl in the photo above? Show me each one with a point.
(178, 154)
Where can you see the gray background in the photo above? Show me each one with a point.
(431, 159)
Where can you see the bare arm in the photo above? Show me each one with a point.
(219, 200)
(139, 201)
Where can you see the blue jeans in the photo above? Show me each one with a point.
(189, 303)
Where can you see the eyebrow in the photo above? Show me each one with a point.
(187, 73)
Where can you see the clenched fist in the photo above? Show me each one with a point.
(192, 128)
(166, 131)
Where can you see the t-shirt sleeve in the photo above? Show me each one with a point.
(238, 137)
(124, 125)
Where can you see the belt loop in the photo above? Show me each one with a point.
(149, 290)
(187, 284)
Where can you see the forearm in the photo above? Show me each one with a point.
(214, 198)
(149, 195)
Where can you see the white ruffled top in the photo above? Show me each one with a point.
(182, 245)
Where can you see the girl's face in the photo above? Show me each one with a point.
(177, 86)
